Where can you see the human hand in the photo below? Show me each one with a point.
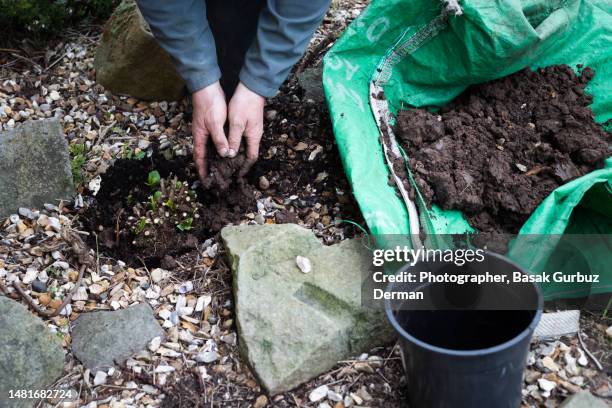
(245, 114)
(209, 115)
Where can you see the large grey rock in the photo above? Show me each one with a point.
(292, 325)
(34, 166)
(585, 399)
(31, 357)
(129, 61)
(102, 339)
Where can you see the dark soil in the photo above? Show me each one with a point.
(124, 197)
(233, 195)
(294, 177)
(500, 148)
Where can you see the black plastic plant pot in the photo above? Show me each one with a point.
(472, 355)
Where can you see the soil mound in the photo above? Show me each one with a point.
(500, 148)
(138, 219)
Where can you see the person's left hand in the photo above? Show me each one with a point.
(245, 116)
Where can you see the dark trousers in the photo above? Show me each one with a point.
(234, 26)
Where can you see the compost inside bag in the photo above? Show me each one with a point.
(427, 53)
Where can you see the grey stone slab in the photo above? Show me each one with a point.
(31, 357)
(34, 166)
(293, 326)
(102, 339)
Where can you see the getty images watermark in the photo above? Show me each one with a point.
(417, 272)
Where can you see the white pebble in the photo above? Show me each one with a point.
(303, 263)
(100, 378)
(30, 275)
(318, 393)
(334, 396)
(185, 287)
(164, 369)
(155, 343)
(546, 385)
(157, 275)
(202, 302)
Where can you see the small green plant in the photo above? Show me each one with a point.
(130, 154)
(53, 272)
(140, 225)
(154, 200)
(153, 179)
(77, 162)
(170, 204)
(186, 224)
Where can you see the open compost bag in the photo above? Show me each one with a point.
(424, 53)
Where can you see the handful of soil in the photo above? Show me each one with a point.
(500, 148)
(223, 171)
(234, 195)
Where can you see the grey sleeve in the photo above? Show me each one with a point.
(284, 30)
(181, 28)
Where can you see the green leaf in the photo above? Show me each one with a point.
(153, 179)
(186, 225)
(77, 162)
(140, 155)
(170, 204)
(152, 203)
(140, 226)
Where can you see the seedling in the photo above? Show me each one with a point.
(153, 179)
(77, 162)
(186, 225)
(170, 208)
(129, 153)
(53, 272)
(170, 204)
(140, 226)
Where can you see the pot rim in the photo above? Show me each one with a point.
(475, 352)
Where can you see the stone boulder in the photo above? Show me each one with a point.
(129, 61)
(102, 339)
(34, 166)
(31, 357)
(293, 326)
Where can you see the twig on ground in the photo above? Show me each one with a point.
(49, 313)
(588, 353)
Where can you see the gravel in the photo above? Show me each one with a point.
(198, 361)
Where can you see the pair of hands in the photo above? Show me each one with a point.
(210, 112)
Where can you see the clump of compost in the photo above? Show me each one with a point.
(500, 148)
(233, 193)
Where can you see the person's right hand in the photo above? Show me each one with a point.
(209, 115)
